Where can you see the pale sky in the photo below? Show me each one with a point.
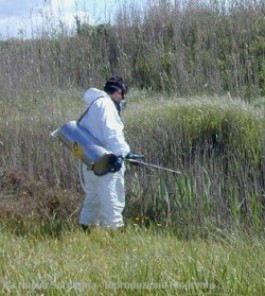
(22, 18)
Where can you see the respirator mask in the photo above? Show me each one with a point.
(123, 104)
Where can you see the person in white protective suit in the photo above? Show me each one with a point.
(105, 195)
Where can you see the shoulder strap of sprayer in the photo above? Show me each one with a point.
(82, 116)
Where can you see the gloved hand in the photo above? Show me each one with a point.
(117, 164)
(132, 156)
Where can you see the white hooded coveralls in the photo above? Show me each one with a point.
(105, 196)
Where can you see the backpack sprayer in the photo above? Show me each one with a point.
(90, 151)
(85, 147)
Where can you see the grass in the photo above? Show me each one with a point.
(189, 47)
(208, 237)
(138, 262)
(216, 142)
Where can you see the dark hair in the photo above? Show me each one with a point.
(115, 83)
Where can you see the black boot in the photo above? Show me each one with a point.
(86, 228)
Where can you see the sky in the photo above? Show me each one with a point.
(26, 18)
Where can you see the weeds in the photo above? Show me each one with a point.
(171, 46)
(217, 144)
(138, 262)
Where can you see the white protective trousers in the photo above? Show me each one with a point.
(105, 198)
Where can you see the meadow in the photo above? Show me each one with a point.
(198, 233)
(216, 142)
(138, 262)
(195, 104)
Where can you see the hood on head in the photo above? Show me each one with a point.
(92, 93)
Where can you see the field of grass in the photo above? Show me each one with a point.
(201, 233)
(216, 142)
(198, 233)
(137, 262)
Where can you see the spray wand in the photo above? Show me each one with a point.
(142, 163)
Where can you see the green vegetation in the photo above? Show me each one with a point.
(198, 233)
(189, 47)
(138, 262)
(217, 144)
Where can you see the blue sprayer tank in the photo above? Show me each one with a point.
(85, 147)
